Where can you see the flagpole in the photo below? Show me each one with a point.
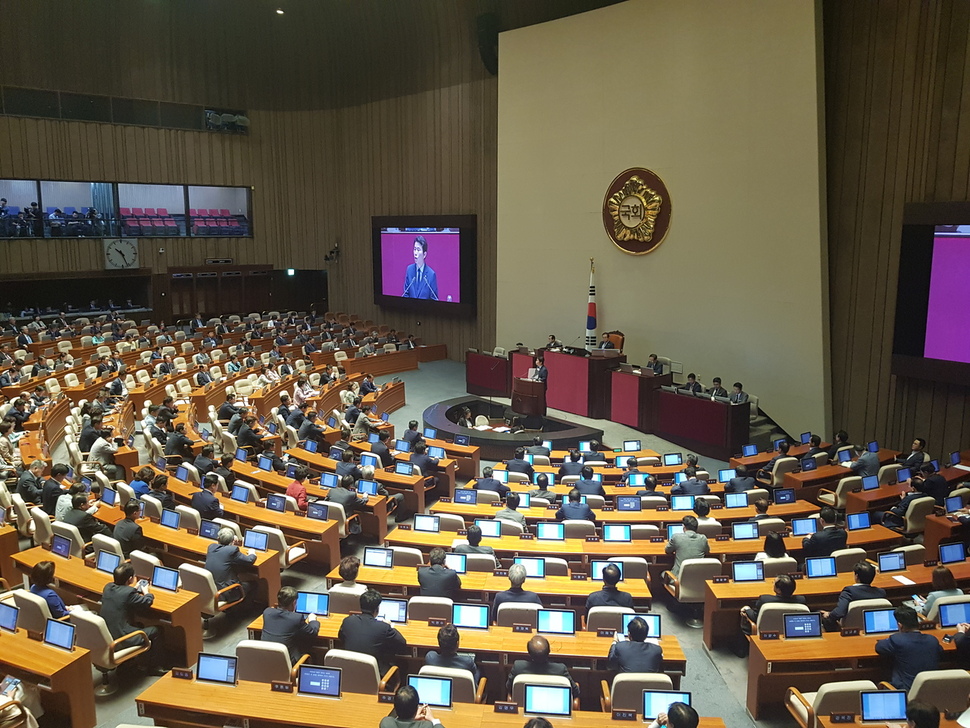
(591, 309)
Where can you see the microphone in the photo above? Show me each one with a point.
(406, 288)
(432, 292)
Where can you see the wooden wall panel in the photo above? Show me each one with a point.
(896, 76)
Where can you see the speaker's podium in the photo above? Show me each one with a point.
(529, 401)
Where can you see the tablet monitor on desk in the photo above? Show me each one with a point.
(369, 487)
(276, 502)
(628, 503)
(802, 624)
(784, 495)
(328, 480)
(437, 452)
(216, 669)
(891, 561)
(456, 562)
(652, 620)
(805, 438)
(749, 451)
(557, 621)
(430, 433)
(535, 478)
(109, 496)
(673, 458)
(241, 455)
(8, 617)
(209, 529)
(819, 567)
(61, 545)
(490, 528)
(291, 470)
(872, 446)
(501, 476)
(271, 428)
(310, 445)
(673, 529)
(598, 477)
(748, 571)
(804, 526)
(393, 611)
(534, 567)
(656, 702)
(809, 464)
(373, 438)
(879, 621)
(472, 616)
(725, 476)
(466, 495)
(883, 706)
(402, 446)
(952, 553)
(313, 603)
(596, 569)
(617, 533)
(681, 502)
(432, 691)
(548, 700)
(182, 473)
(167, 579)
(378, 557)
(318, 511)
(745, 530)
(953, 614)
(845, 456)
(404, 469)
(680, 478)
(426, 523)
(240, 493)
(857, 521)
(775, 444)
(369, 459)
(256, 540)
(331, 422)
(954, 458)
(549, 531)
(107, 561)
(736, 500)
(59, 634)
(171, 519)
(637, 480)
(953, 503)
(335, 453)
(631, 446)
(870, 482)
(903, 474)
(585, 446)
(318, 681)
(462, 440)
(86, 482)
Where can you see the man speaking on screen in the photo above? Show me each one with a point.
(420, 280)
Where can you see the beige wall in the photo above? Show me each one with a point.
(721, 99)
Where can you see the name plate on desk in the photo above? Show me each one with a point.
(500, 572)
(663, 508)
(437, 621)
(843, 717)
(592, 539)
(192, 531)
(656, 539)
(182, 673)
(722, 537)
(154, 519)
(503, 706)
(521, 628)
(385, 697)
(850, 632)
(404, 527)
(497, 504)
(462, 532)
(931, 562)
(923, 626)
(259, 504)
(607, 509)
(281, 687)
(624, 714)
(444, 499)
(796, 575)
(298, 513)
(526, 536)
(720, 580)
(716, 507)
(552, 507)
(606, 632)
(577, 577)
(773, 635)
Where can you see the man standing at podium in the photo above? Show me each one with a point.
(541, 371)
(420, 281)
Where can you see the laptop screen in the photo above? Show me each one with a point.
(433, 691)
(681, 502)
(548, 700)
(368, 459)
(550, 531)
(809, 464)
(501, 476)
(490, 528)
(585, 446)
(430, 433)
(725, 476)
(255, 540)
(652, 620)
(393, 610)
(872, 446)
(378, 557)
(331, 422)
(291, 470)
(61, 545)
(315, 680)
(472, 616)
(462, 440)
(628, 503)
(466, 496)
(525, 500)
(804, 526)
(240, 493)
(164, 578)
(637, 479)
(844, 455)
(456, 562)
(656, 702)
(373, 438)
(879, 621)
(59, 634)
(748, 570)
(328, 480)
(749, 451)
(241, 454)
(617, 532)
(777, 443)
(437, 452)
(680, 478)
(557, 621)
(744, 530)
(883, 706)
(596, 569)
(784, 495)
(311, 445)
(955, 457)
(171, 519)
(109, 496)
(367, 486)
(182, 473)
(673, 529)
(892, 561)
(534, 567)
(265, 463)
(209, 529)
(313, 603)
(803, 624)
(951, 553)
(216, 668)
(903, 474)
(107, 562)
(819, 567)
(856, 521)
(336, 453)
(428, 524)
(805, 438)
(736, 500)
(954, 503)
(673, 458)
(870, 482)
(402, 446)
(403, 468)
(953, 614)
(631, 446)
(276, 502)
(318, 511)
(8, 617)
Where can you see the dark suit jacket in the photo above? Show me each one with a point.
(179, 444)
(752, 613)
(740, 485)
(129, 535)
(248, 437)
(590, 487)
(691, 486)
(204, 465)
(492, 484)
(439, 581)
(609, 596)
(30, 487)
(853, 592)
(424, 287)
(454, 662)
(227, 410)
(513, 595)
(48, 496)
(290, 629)
(363, 633)
(380, 450)
(389, 721)
(428, 464)
(119, 605)
(936, 486)
(411, 436)
(628, 656)
(912, 461)
(206, 504)
(86, 524)
(86, 439)
(574, 512)
(221, 561)
(347, 498)
(912, 653)
(824, 542)
(570, 468)
(520, 466)
(527, 667)
(167, 499)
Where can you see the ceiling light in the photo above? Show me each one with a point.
(279, 11)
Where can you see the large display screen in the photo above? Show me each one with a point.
(948, 311)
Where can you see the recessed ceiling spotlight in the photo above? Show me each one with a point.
(279, 11)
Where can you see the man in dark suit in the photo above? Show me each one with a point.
(741, 482)
(537, 448)
(781, 451)
(222, 558)
(716, 390)
(310, 430)
(248, 436)
(635, 654)
(10, 377)
(912, 651)
(539, 664)
(202, 376)
(370, 636)
(438, 580)
(228, 408)
(814, 447)
(784, 593)
(283, 625)
(654, 365)
(420, 459)
(586, 485)
(24, 338)
(574, 509)
(297, 416)
(541, 373)
(205, 501)
(519, 464)
(691, 486)
(650, 488)
(381, 450)
(515, 592)
(408, 713)
(30, 485)
(420, 280)
(474, 545)
(411, 434)
(934, 484)
(346, 495)
(448, 655)
(692, 385)
(572, 466)
(841, 440)
(121, 603)
(86, 524)
(609, 595)
(631, 468)
(605, 342)
(178, 443)
(127, 531)
(915, 459)
(347, 466)
(830, 538)
(542, 489)
(862, 589)
(89, 434)
(53, 489)
(895, 517)
(205, 462)
(738, 395)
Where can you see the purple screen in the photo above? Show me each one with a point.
(947, 313)
(443, 258)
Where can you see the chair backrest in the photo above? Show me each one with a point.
(540, 460)
(846, 559)
(595, 501)
(144, 563)
(480, 420)
(711, 528)
(199, 580)
(276, 541)
(450, 522)
(34, 611)
(43, 533)
(70, 532)
(263, 662)
(887, 473)
(421, 609)
(480, 562)
(517, 477)
(511, 528)
(518, 685)
(693, 574)
(626, 692)
(915, 553)
(782, 565)
(641, 531)
(556, 566)
(517, 613)
(916, 514)
(853, 618)
(770, 616)
(606, 618)
(947, 690)
(934, 612)
(488, 496)
(578, 529)
(782, 466)
(125, 493)
(634, 567)
(343, 600)
(463, 686)
(406, 556)
(107, 543)
(91, 633)
(359, 672)
(840, 697)
(767, 525)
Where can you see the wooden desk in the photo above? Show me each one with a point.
(579, 384)
(938, 530)
(807, 484)
(883, 497)
(9, 545)
(467, 457)
(754, 463)
(66, 674)
(633, 400)
(709, 428)
(181, 610)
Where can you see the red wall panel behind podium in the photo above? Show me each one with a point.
(567, 387)
(625, 399)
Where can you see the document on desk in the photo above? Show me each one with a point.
(904, 580)
(482, 428)
(962, 467)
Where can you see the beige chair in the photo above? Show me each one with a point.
(78, 547)
(846, 559)
(578, 529)
(481, 420)
(265, 662)
(771, 617)
(421, 609)
(934, 613)
(188, 517)
(711, 528)
(556, 566)
(688, 587)
(511, 528)
(853, 618)
(518, 686)
(34, 611)
(21, 516)
(887, 473)
(634, 567)
(517, 613)
(947, 690)
(767, 525)
(780, 468)
(125, 493)
(463, 688)
(915, 517)
(214, 601)
(518, 477)
(639, 531)
(336, 512)
(606, 618)
(596, 502)
(406, 556)
(488, 496)
(915, 553)
(836, 498)
(43, 533)
(107, 543)
(450, 522)
(480, 562)
(193, 473)
(833, 697)
(106, 653)
(343, 600)
(781, 565)
(626, 692)
(359, 673)
(153, 506)
(144, 564)
(289, 553)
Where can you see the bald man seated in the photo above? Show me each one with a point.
(539, 664)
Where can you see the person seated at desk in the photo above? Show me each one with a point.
(650, 488)
(346, 495)
(127, 532)
(368, 635)
(635, 654)
(738, 395)
(864, 573)
(205, 500)
(586, 485)
(178, 443)
(654, 365)
(474, 546)
(297, 416)
(609, 595)
(161, 493)
(205, 462)
(895, 517)
(465, 419)
(121, 603)
(678, 715)
(631, 467)
(248, 435)
(537, 448)
(448, 656)
(41, 578)
(572, 466)
(53, 488)
(841, 440)
(688, 544)
(692, 385)
(761, 509)
(574, 509)
(702, 509)
(916, 457)
(830, 538)
(85, 522)
(781, 451)
(595, 455)
(814, 447)
(741, 482)
(552, 342)
(367, 385)
(437, 580)
(866, 463)
(509, 513)
(65, 501)
(344, 442)
(784, 593)
(285, 407)
(411, 434)
(934, 484)
(297, 488)
(944, 585)
(8, 450)
(691, 486)
(397, 499)
(605, 342)
(222, 558)
(30, 485)
(539, 664)
(347, 466)
(141, 482)
(519, 464)
(542, 489)
(912, 651)
(408, 712)
(381, 450)
(282, 624)
(515, 592)
(427, 464)
(716, 390)
(310, 430)
(348, 569)
(773, 548)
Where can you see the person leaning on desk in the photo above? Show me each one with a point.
(284, 625)
(574, 509)
(368, 635)
(912, 651)
(408, 712)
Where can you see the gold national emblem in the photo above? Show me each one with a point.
(636, 211)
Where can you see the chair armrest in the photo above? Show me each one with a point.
(299, 544)
(480, 693)
(390, 675)
(114, 645)
(886, 686)
(797, 695)
(4, 586)
(606, 703)
(219, 593)
(826, 490)
(296, 667)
